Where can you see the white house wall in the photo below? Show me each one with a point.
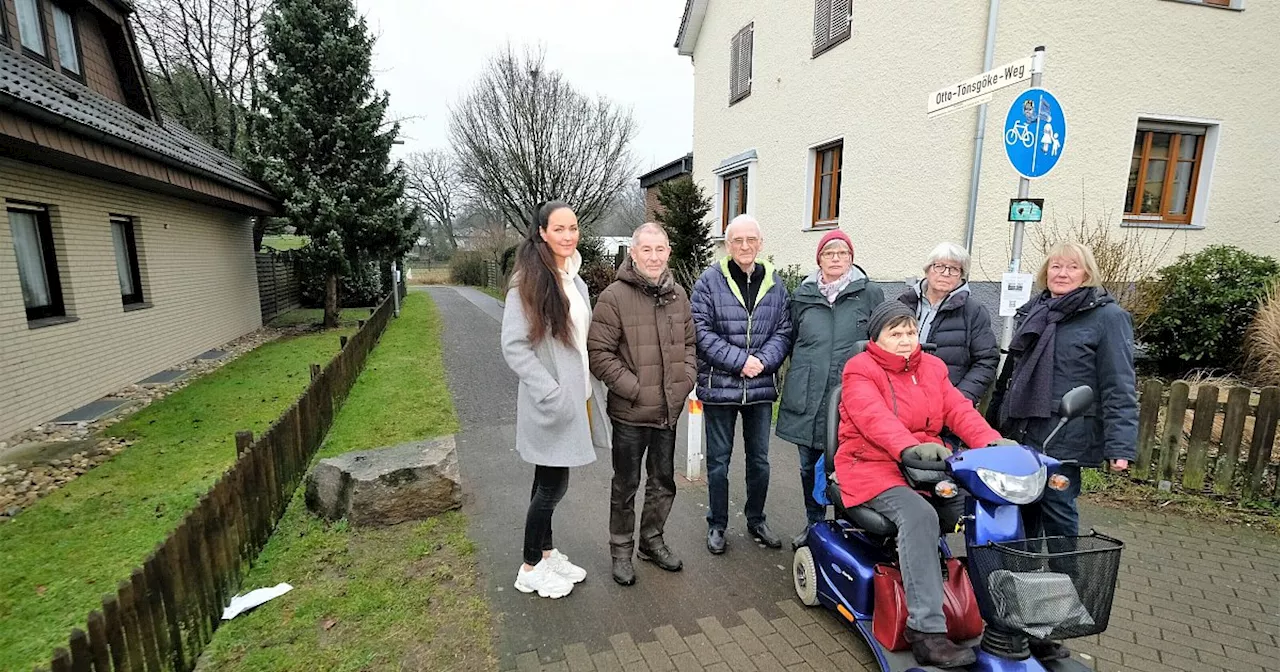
(905, 180)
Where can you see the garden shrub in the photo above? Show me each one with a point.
(1206, 303)
(467, 268)
(597, 275)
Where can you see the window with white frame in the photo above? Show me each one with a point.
(1165, 172)
(825, 163)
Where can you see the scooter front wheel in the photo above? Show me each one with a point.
(805, 576)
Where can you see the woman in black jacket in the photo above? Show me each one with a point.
(951, 319)
(1073, 333)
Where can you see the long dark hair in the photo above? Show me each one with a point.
(537, 278)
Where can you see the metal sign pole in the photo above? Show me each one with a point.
(1024, 190)
(395, 289)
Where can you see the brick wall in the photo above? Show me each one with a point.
(198, 273)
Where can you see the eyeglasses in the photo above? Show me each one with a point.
(836, 254)
(944, 269)
(744, 242)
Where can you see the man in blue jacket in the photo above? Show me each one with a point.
(743, 327)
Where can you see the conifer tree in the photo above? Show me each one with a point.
(683, 212)
(325, 145)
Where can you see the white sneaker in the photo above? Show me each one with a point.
(543, 579)
(561, 565)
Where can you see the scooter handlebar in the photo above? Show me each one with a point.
(926, 465)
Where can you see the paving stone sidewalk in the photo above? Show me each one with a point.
(1190, 596)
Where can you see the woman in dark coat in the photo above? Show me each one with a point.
(829, 312)
(952, 320)
(1073, 333)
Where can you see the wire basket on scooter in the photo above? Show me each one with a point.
(1048, 587)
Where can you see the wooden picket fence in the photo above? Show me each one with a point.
(1212, 454)
(161, 618)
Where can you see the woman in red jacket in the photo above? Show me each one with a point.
(896, 400)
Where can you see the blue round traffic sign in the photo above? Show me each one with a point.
(1035, 131)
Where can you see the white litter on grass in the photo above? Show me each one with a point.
(242, 603)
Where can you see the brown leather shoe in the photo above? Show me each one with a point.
(933, 648)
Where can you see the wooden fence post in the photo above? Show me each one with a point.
(1177, 415)
(1232, 436)
(1201, 432)
(81, 656)
(146, 622)
(244, 439)
(1264, 434)
(98, 643)
(61, 661)
(1148, 417)
(342, 342)
(114, 627)
(315, 371)
(132, 628)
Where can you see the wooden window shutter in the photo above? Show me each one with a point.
(740, 64)
(841, 23)
(821, 25)
(734, 48)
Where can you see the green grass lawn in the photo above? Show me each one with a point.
(284, 242)
(315, 317)
(499, 294)
(404, 597)
(72, 547)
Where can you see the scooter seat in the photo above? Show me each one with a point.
(871, 521)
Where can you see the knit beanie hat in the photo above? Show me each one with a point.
(884, 312)
(834, 234)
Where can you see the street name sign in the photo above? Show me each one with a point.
(958, 96)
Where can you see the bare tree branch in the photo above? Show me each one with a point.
(432, 181)
(525, 135)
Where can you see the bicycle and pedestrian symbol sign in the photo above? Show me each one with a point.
(1035, 132)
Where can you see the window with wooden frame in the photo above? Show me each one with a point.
(733, 197)
(31, 28)
(832, 24)
(67, 34)
(1163, 172)
(740, 64)
(129, 273)
(826, 184)
(37, 260)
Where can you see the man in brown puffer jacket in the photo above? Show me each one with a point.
(641, 345)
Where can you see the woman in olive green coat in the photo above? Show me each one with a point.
(829, 312)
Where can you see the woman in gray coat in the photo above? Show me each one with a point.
(544, 340)
(829, 312)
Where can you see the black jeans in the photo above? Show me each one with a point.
(1055, 515)
(549, 486)
(656, 448)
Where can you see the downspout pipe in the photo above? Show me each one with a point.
(988, 58)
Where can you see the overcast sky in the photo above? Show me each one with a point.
(428, 52)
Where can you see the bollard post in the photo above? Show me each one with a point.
(693, 467)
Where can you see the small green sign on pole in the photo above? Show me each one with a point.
(1026, 209)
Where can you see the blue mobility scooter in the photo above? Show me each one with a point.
(1049, 587)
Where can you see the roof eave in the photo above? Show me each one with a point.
(690, 25)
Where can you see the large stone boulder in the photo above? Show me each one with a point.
(385, 486)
